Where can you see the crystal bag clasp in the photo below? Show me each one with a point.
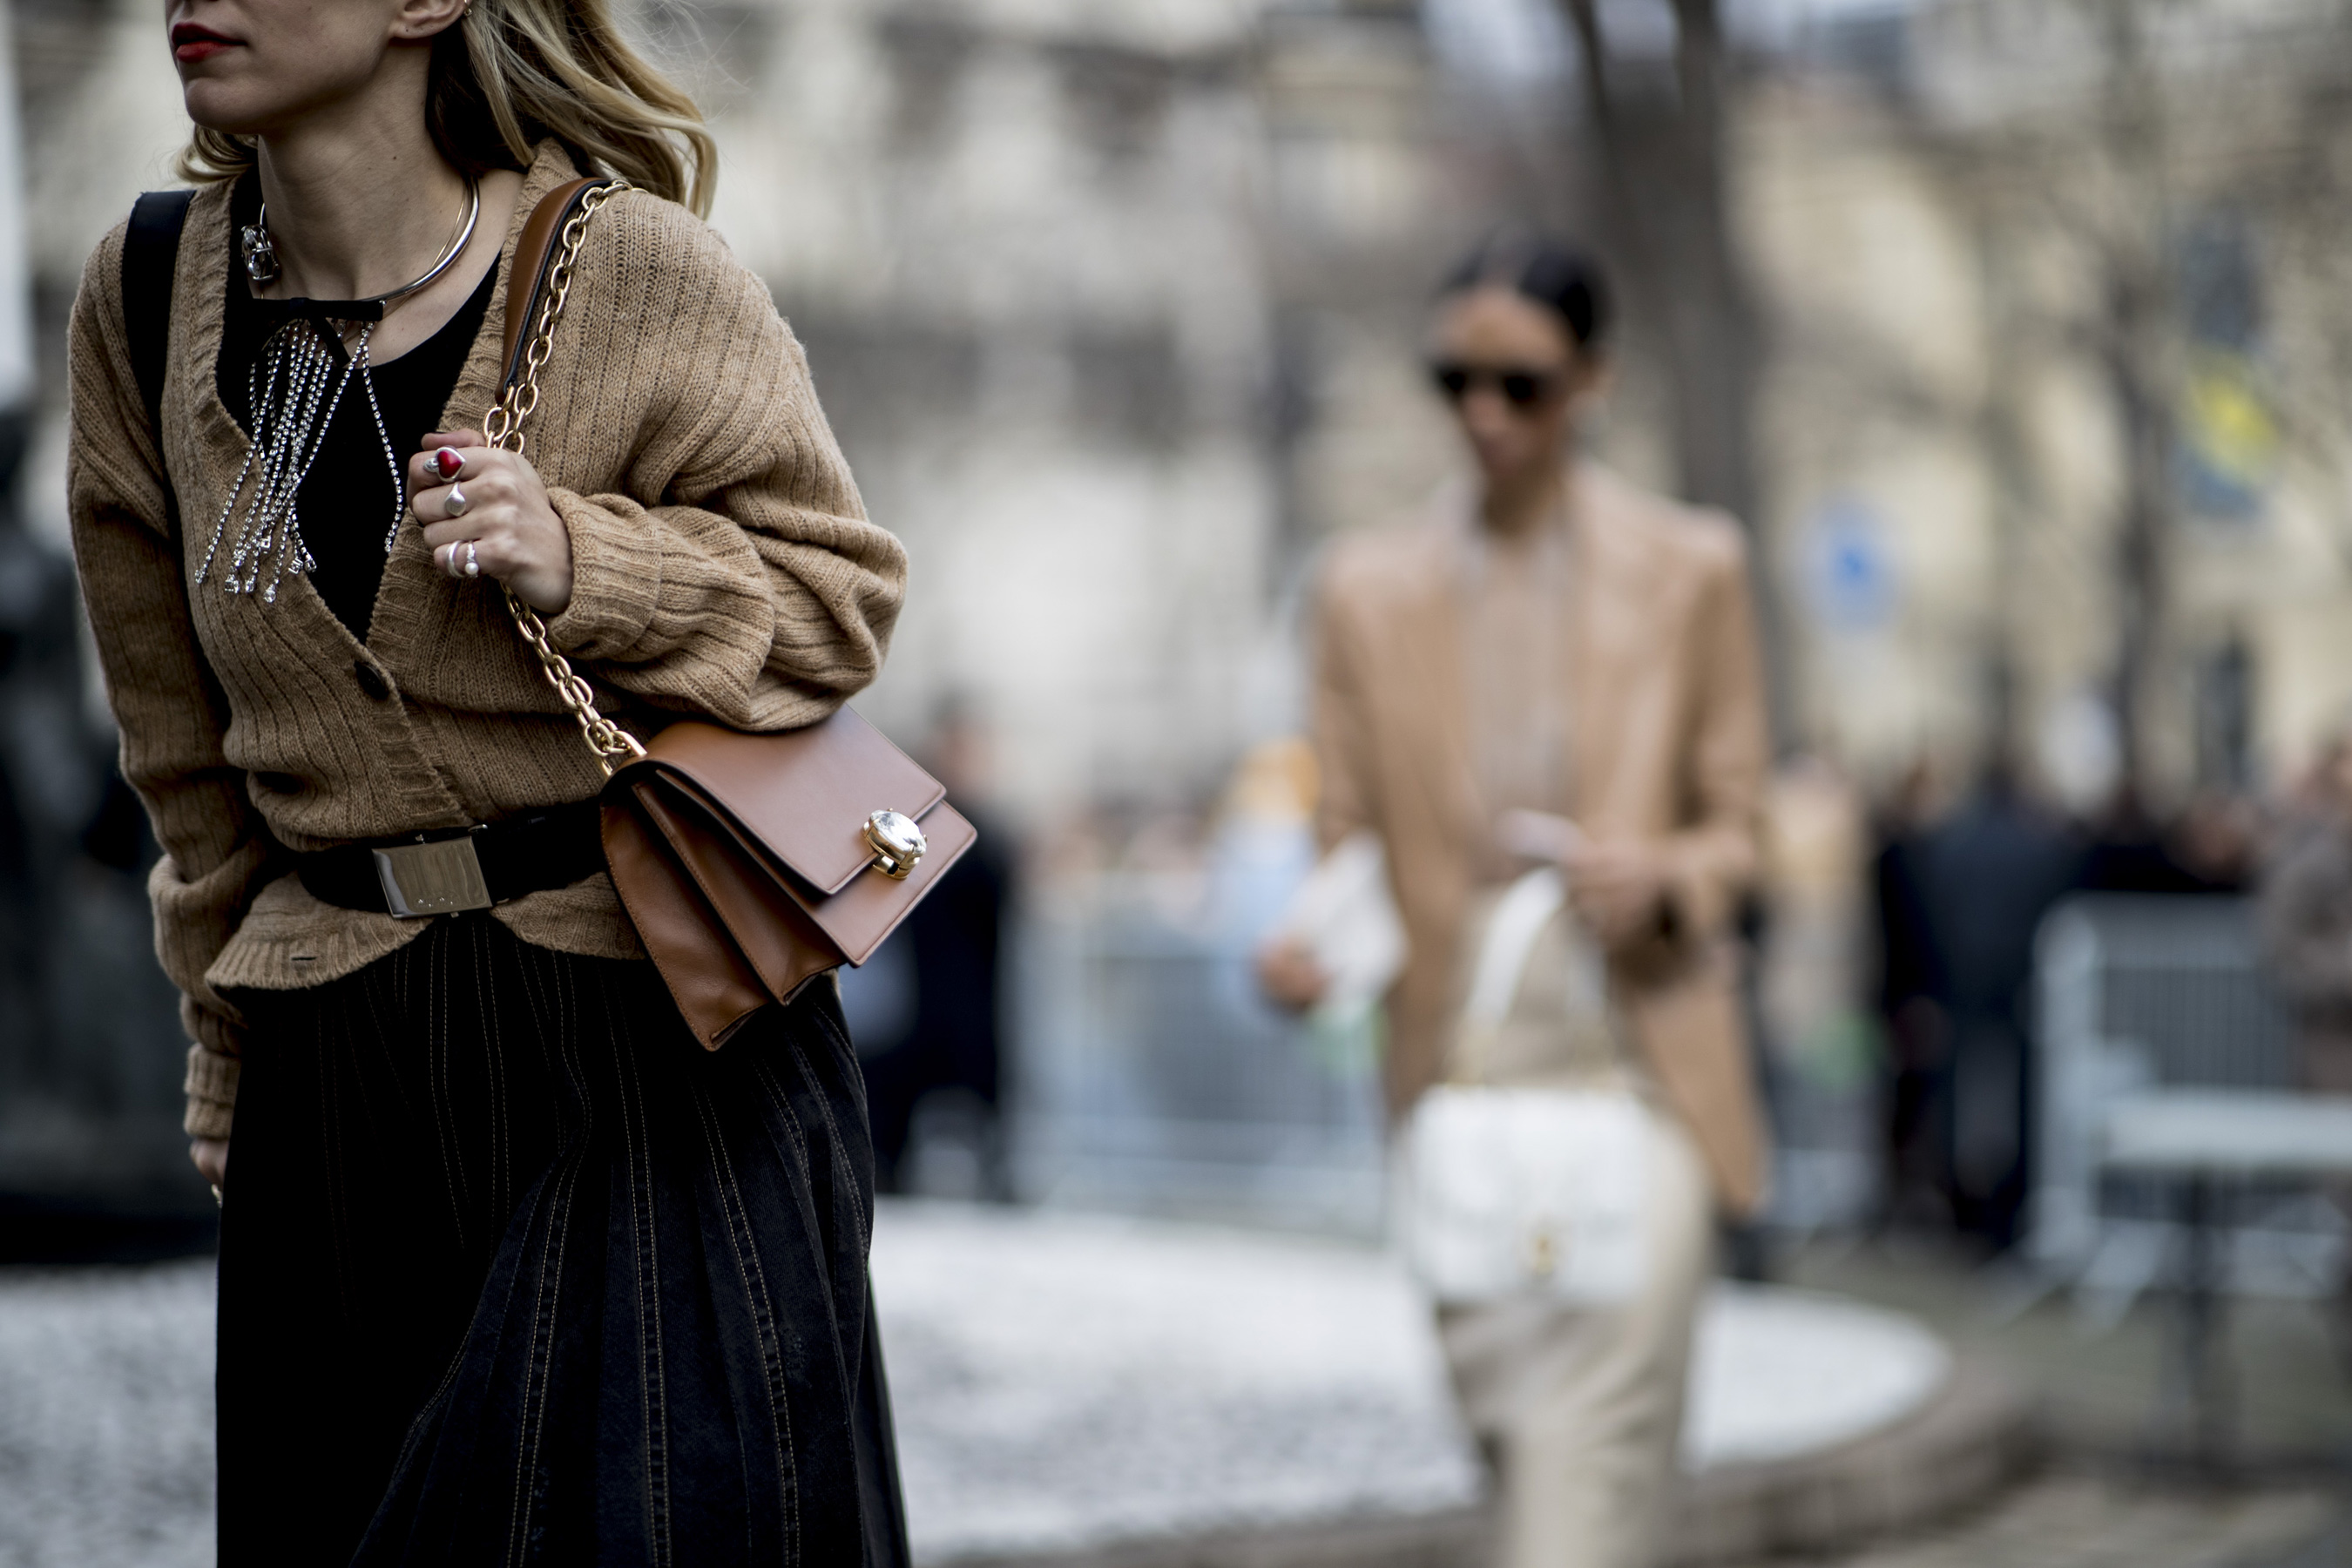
(897, 843)
(440, 877)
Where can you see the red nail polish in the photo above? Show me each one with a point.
(448, 461)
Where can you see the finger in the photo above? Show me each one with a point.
(481, 524)
(425, 471)
(424, 468)
(431, 504)
(473, 460)
(1603, 913)
(450, 559)
(1606, 867)
(496, 556)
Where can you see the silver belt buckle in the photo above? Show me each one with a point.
(443, 876)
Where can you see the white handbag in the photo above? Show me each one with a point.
(1516, 1192)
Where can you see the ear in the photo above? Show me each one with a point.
(420, 21)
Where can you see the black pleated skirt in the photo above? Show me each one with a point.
(513, 1272)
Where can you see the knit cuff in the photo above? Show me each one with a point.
(211, 1087)
(616, 579)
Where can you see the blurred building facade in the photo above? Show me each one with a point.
(2057, 405)
(1075, 279)
(1116, 306)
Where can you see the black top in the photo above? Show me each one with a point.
(348, 501)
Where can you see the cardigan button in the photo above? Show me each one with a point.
(370, 679)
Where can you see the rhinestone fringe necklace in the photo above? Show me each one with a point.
(293, 390)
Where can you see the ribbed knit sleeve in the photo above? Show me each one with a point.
(739, 577)
(172, 713)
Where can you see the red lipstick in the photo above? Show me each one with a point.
(191, 43)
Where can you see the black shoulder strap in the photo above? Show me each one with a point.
(150, 253)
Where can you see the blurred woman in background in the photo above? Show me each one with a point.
(510, 1270)
(1560, 667)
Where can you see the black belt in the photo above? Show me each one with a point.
(448, 870)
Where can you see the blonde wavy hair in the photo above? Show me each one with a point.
(513, 72)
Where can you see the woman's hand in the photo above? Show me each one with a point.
(1536, 836)
(506, 527)
(1619, 889)
(211, 1157)
(1288, 974)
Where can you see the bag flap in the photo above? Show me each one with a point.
(715, 989)
(763, 916)
(871, 907)
(759, 899)
(803, 794)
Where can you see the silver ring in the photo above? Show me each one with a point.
(455, 503)
(473, 567)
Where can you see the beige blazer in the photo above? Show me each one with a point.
(1669, 749)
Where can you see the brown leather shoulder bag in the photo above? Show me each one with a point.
(749, 863)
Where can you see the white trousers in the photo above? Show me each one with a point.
(1580, 1408)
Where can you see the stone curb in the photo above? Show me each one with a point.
(1975, 1437)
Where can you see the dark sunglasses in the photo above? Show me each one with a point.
(1520, 388)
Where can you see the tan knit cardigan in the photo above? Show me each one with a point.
(723, 567)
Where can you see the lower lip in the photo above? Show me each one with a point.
(203, 50)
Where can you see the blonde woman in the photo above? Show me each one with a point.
(510, 1270)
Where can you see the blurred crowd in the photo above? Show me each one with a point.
(1959, 881)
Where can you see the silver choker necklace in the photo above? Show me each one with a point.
(261, 261)
(292, 391)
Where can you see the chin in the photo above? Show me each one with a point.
(222, 106)
(1504, 468)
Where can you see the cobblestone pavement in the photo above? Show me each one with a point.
(1064, 1379)
(2080, 1522)
(2291, 1386)
(2288, 1371)
(105, 1419)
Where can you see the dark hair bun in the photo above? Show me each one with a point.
(1539, 267)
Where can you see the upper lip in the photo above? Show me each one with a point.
(195, 33)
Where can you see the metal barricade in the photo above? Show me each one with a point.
(2149, 992)
(1154, 1077)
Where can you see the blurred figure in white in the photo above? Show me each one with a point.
(1545, 704)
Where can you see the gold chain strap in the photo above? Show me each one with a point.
(503, 429)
